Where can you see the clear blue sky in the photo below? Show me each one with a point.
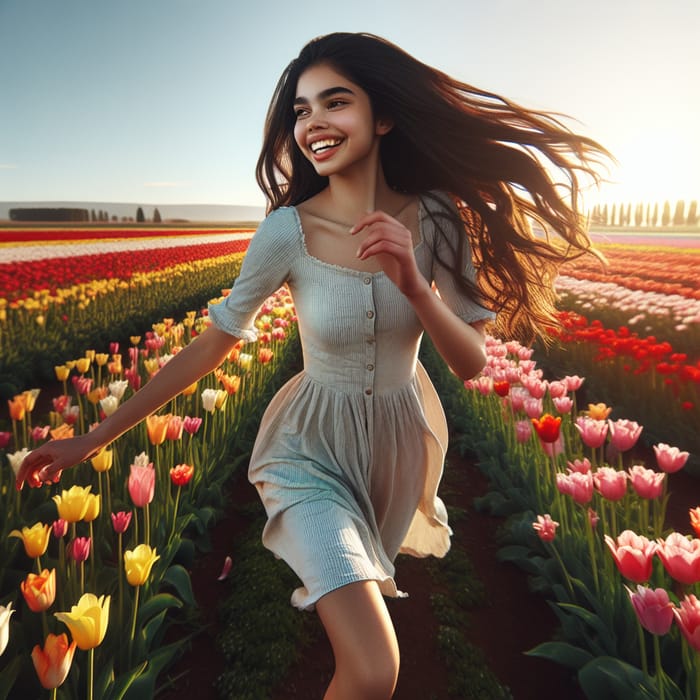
(163, 101)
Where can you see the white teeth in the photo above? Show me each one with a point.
(318, 146)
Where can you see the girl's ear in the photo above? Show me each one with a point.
(384, 126)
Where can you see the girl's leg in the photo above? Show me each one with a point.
(364, 643)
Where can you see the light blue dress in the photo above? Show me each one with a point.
(350, 452)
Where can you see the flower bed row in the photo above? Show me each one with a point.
(97, 291)
(108, 544)
(587, 521)
(646, 379)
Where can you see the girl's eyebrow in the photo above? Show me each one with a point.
(325, 94)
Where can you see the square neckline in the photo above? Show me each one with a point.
(354, 270)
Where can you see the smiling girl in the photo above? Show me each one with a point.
(385, 178)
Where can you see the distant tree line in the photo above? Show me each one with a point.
(646, 215)
(77, 214)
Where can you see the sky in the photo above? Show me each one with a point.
(163, 101)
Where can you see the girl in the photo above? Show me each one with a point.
(383, 177)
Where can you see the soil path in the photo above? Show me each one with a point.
(513, 622)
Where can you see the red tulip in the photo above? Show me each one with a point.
(695, 519)
(181, 474)
(547, 427)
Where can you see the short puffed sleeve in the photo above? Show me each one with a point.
(443, 232)
(266, 267)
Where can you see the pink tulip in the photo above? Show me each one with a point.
(5, 438)
(142, 483)
(546, 527)
(523, 430)
(518, 396)
(624, 434)
(40, 433)
(573, 382)
(59, 528)
(191, 425)
(646, 482)
(670, 459)
(580, 465)
(633, 555)
(536, 386)
(121, 521)
(174, 429)
(552, 449)
(484, 385)
(611, 483)
(79, 549)
(681, 557)
(593, 518)
(533, 407)
(563, 404)
(593, 432)
(577, 485)
(688, 619)
(557, 389)
(82, 384)
(527, 366)
(654, 609)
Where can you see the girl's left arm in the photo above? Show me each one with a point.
(460, 344)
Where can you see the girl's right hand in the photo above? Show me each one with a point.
(45, 464)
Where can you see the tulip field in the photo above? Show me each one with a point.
(579, 441)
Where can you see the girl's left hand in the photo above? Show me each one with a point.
(392, 243)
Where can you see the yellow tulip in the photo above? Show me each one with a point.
(93, 507)
(62, 372)
(138, 563)
(87, 621)
(190, 389)
(103, 460)
(135, 339)
(35, 539)
(82, 364)
(73, 504)
(598, 411)
(101, 358)
(221, 397)
(90, 354)
(70, 364)
(30, 397)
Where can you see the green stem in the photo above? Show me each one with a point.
(133, 622)
(177, 504)
(657, 666)
(642, 649)
(91, 672)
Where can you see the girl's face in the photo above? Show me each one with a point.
(335, 127)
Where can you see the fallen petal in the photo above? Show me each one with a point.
(228, 563)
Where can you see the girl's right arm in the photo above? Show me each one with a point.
(198, 358)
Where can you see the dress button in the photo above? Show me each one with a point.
(370, 314)
(370, 366)
(367, 280)
(368, 392)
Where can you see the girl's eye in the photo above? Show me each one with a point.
(336, 103)
(300, 112)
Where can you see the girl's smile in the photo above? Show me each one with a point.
(335, 125)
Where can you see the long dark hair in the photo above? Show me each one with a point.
(495, 158)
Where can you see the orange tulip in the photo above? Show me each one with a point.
(39, 590)
(53, 662)
(547, 427)
(265, 355)
(695, 519)
(18, 407)
(157, 428)
(62, 432)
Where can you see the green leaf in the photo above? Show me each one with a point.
(8, 676)
(155, 605)
(563, 653)
(143, 687)
(122, 684)
(606, 636)
(178, 577)
(608, 678)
